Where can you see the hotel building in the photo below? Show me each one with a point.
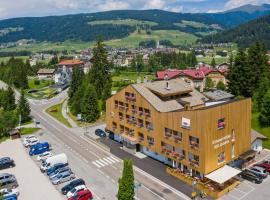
(174, 123)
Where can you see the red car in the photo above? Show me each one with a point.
(82, 195)
(265, 166)
(267, 162)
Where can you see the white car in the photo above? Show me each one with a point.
(31, 142)
(6, 192)
(44, 156)
(78, 188)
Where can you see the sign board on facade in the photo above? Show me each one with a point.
(221, 141)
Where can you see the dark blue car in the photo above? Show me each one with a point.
(100, 133)
(10, 197)
(39, 148)
(57, 166)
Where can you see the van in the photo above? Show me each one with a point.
(39, 148)
(60, 158)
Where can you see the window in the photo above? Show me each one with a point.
(168, 132)
(150, 140)
(221, 124)
(141, 136)
(116, 104)
(221, 158)
(194, 142)
(177, 136)
(149, 126)
(140, 123)
(185, 123)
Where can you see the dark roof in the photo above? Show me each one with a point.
(256, 135)
(218, 95)
(14, 132)
(249, 154)
(46, 71)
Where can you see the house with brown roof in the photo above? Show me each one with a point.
(46, 74)
(257, 140)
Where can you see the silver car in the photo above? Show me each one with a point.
(8, 181)
(64, 177)
(59, 171)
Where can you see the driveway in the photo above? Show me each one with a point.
(32, 183)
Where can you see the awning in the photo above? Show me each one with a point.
(223, 174)
(249, 154)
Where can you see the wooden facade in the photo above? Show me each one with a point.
(217, 134)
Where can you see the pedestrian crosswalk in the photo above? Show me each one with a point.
(102, 162)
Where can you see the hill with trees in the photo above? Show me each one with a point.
(117, 24)
(245, 34)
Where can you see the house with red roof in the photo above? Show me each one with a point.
(195, 77)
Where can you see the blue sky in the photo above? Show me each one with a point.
(21, 8)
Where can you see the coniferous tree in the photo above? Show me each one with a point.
(208, 84)
(99, 74)
(23, 108)
(126, 182)
(8, 102)
(264, 117)
(89, 105)
(260, 92)
(213, 62)
(76, 82)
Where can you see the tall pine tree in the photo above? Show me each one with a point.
(76, 82)
(8, 101)
(23, 108)
(89, 104)
(264, 117)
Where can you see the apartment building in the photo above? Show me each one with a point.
(172, 122)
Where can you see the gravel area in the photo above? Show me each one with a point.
(32, 183)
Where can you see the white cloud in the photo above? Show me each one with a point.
(236, 3)
(155, 4)
(174, 8)
(113, 5)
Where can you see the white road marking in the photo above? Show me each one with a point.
(100, 171)
(104, 162)
(107, 160)
(115, 159)
(102, 165)
(97, 165)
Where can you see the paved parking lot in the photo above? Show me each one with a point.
(32, 183)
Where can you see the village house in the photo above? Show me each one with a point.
(44, 74)
(195, 77)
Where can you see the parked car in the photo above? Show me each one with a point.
(59, 171)
(7, 192)
(60, 158)
(75, 190)
(6, 162)
(82, 195)
(29, 137)
(265, 166)
(259, 171)
(248, 175)
(61, 178)
(71, 185)
(10, 197)
(30, 142)
(55, 167)
(100, 133)
(39, 148)
(44, 156)
(8, 181)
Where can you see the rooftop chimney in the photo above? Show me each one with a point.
(166, 78)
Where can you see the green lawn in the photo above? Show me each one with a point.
(263, 130)
(209, 59)
(133, 40)
(43, 83)
(28, 131)
(56, 112)
(5, 59)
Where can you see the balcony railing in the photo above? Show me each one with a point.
(140, 113)
(194, 163)
(140, 124)
(181, 157)
(146, 114)
(121, 107)
(177, 139)
(130, 98)
(141, 139)
(194, 145)
(150, 142)
(167, 134)
(134, 111)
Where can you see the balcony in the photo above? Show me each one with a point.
(177, 139)
(151, 143)
(194, 163)
(116, 106)
(140, 112)
(134, 111)
(141, 139)
(147, 114)
(168, 134)
(194, 145)
(181, 157)
(121, 107)
(121, 117)
(149, 128)
(140, 125)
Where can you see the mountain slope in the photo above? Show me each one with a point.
(87, 27)
(249, 8)
(245, 34)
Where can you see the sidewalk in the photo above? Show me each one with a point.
(150, 166)
(66, 116)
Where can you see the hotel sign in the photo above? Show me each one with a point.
(221, 141)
